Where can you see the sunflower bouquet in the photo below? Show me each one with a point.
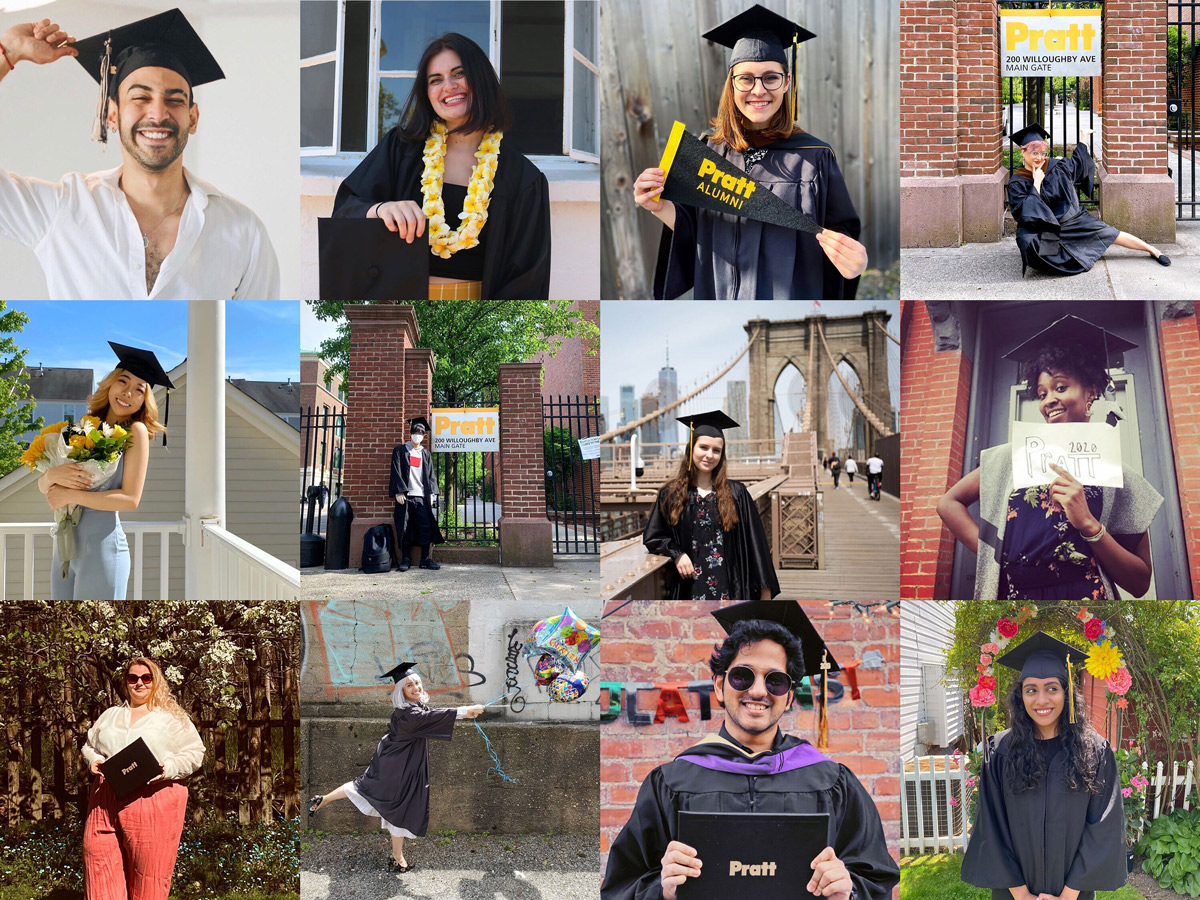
(89, 443)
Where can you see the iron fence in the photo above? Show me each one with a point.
(1183, 66)
(323, 434)
(571, 480)
(468, 507)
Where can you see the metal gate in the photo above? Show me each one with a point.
(572, 503)
(1063, 105)
(1183, 66)
(322, 433)
(468, 507)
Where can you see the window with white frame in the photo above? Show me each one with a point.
(359, 59)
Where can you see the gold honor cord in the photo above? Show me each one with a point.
(668, 156)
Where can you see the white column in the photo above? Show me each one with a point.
(204, 472)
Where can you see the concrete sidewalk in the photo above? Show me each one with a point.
(993, 272)
(452, 867)
(572, 576)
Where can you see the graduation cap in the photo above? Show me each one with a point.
(1102, 343)
(144, 364)
(1043, 656)
(788, 613)
(707, 424)
(1028, 134)
(419, 422)
(760, 35)
(166, 40)
(400, 672)
(361, 260)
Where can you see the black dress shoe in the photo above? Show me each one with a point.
(402, 565)
(429, 564)
(314, 803)
(1163, 260)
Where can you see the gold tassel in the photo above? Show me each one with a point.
(1071, 689)
(823, 722)
(691, 434)
(100, 122)
(795, 86)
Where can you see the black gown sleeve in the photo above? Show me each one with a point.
(1081, 168)
(397, 482)
(415, 722)
(840, 216)
(859, 842)
(525, 271)
(675, 270)
(373, 180)
(756, 552)
(990, 861)
(635, 859)
(1028, 208)
(659, 536)
(1099, 864)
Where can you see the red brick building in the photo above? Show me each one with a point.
(669, 642)
(952, 122)
(957, 394)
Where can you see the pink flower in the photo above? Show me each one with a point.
(954, 801)
(1093, 628)
(987, 681)
(971, 781)
(1119, 682)
(1007, 628)
(990, 648)
(981, 696)
(1125, 792)
(985, 660)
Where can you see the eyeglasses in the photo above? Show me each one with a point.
(772, 81)
(741, 678)
(144, 679)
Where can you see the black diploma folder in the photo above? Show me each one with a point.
(764, 856)
(131, 768)
(361, 260)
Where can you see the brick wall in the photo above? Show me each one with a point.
(1135, 87)
(523, 490)
(928, 90)
(671, 642)
(935, 387)
(979, 110)
(1179, 348)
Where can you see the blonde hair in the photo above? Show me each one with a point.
(728, 127)
(160, 691)
(147, 415)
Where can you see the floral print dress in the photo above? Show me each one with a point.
(1045, 558)
(708, 547)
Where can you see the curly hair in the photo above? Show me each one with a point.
(1026, 770)
(1070, 357)
(675, 491)
(147, 415)
(751, 631)
(160, 691)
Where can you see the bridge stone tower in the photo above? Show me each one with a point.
(860, 340)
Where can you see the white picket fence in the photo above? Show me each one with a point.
(931, 823)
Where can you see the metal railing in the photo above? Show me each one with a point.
(240, 571)
(572, 482)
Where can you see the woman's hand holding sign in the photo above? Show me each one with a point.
(646, 190)
(1068, 493)
(847, 254)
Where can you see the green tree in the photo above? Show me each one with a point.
(15, 409)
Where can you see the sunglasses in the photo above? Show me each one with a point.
(144, 679)
(741, 678)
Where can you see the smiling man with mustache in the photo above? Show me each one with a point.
(148, 229)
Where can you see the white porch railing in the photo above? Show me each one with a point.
(135, 533)
(240, 571)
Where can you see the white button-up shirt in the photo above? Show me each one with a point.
(88, 242)
(174, 742)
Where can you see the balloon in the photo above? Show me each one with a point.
(567, 639)
(568, 687)
(546, 669)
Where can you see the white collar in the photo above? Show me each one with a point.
(200, 190)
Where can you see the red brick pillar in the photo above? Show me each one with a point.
(1179, 350)
(381, 335)
(1137, 195)
(936, 389)
(526, 536)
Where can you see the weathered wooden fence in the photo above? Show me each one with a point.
(656, 68)
(250, 767)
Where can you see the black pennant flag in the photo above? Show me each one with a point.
(696, 176)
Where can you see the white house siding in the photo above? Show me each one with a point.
(926, 635)
(260, 500)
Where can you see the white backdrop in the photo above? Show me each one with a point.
(245, 143)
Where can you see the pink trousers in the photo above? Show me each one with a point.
(130, 845)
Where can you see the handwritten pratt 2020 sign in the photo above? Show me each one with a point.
(466, 430)
(1090, 453)
(1050, 42)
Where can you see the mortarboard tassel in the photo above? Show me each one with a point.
(823, 722)
(1071, 689)
(100, 123)
(691, 435)
(795, 84)
(167, 415)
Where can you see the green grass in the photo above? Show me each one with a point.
(939, 877)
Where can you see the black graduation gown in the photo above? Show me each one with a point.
(748, 554)
(804, 781)
(398, 484)
(1048, 837)
(721, 256)
(1054, 233)
(397, 782)
(516, 263)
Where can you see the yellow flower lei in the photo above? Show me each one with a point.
(442, 241)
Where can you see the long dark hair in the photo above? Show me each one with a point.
(489, 109)
(675, 491)
(1026, 770)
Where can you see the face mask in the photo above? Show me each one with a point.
(417, 438)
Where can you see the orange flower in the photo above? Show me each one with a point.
(1122, 703)
(37, 447)
(55, 428)
(1083, 614)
